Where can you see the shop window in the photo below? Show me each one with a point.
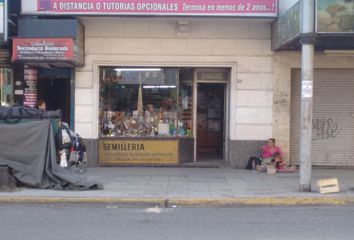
(144, 102)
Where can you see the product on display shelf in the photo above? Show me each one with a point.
(143, 103)
(149, 124)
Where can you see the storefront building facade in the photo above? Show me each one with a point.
(332, 126)
(211, 50)
(45, 53)
(181, 89)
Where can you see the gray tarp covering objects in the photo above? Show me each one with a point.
(28, 148)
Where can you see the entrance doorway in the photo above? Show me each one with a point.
(210, 121)
(56, 93)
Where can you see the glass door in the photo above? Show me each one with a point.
(210, 121)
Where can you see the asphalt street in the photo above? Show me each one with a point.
(86, 222)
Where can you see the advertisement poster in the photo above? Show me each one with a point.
(138, 152)
(30, 91)
(42, 49)
(255, 8)
(335, 16)
(307, 89)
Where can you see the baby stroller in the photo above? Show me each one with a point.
(71, 149)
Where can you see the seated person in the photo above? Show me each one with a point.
(41, 105)
(281, 165)
(278, 162)
(268, 151)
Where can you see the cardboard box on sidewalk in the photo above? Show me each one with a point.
(326, 186)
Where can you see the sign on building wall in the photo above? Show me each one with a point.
(30, 92)
(335, 16)
(42, 49)
(254, 8)
(46, 50)
(138, 152)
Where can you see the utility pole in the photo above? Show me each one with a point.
(307, 69)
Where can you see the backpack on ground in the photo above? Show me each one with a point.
(253, 162)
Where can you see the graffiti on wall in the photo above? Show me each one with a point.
(325, 128)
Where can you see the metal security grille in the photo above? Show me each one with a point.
(333, 117)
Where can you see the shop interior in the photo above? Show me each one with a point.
(154, 102)
(54, 89)
(210, 121)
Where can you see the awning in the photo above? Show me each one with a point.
(334, 27)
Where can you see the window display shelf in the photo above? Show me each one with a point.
(144, 103)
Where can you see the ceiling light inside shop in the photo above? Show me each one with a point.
(159, 86)
(339, 53)
(138, 69)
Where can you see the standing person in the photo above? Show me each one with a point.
(268, 151)
(41, 105)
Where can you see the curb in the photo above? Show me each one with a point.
(83, 200)
(268, 201)
(180, 202)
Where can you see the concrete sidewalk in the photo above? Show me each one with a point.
(194, 186)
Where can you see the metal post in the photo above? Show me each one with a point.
(72, 98)
(307, 68)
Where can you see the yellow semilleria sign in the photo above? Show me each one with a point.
(138, 152)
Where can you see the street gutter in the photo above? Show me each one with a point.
(184, 202)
